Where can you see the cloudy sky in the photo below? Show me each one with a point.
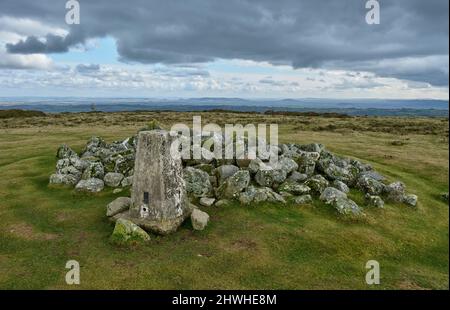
(233, 48)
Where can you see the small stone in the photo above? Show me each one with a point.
(197, 182)
(269, 177)
(370, 185)
(294, 188)
(207, 202)
(224, 172)
(113, 179)
(92, 185)
(444, 196)
(199, 219)
(347, 207)
(317, 183)
(297, 177)
(331, 194)
(222, 203)
(117, 190)
(126, 231)
(65, 152)
(410, 200)
(118, 205)
(94, 170)
(128, 181)
(234, 185)
(64, 179)
(341, 186)
(303, 199)
(395, 191)
(374, 201)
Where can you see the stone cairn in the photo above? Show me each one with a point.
(162, 186)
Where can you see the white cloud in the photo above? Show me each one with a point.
(32, 61)
(29, 27)
(167, 81)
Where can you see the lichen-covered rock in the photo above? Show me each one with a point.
(444, 196)
(335, 172)
(197, 182)
(199, 219)
(340, 186)
(118, 205)
(94, 170)
(395, 192)
(306, 161)
(260, 194)
(347, 207)
(410, 200)
(297, 177)
(124, 164)
(92, 185)
(126, 232)
(78, 163)
(303, 199)
(294, 188)
(113, 179)
(207, 202)
(65, 152)
(93, 145)
(224, 172)
(370, 185)
(286, 164)
(370, 173)
(128, 181)
(317, 183)
(256, 164)
(234, 185)
(331, 194)
(63, 179)
(270, 176)
(374, 201)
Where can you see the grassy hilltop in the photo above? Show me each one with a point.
(258, 247)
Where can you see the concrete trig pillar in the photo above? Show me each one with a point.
(159, 199)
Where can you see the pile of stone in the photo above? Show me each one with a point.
(100, 164)
(301, 173)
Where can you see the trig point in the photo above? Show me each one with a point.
(159, 200)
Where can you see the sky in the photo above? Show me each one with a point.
(233, 48)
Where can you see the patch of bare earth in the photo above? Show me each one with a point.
(409, 285)
(27, 232)
(244, 244)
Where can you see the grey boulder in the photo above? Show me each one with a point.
(331, 194)
(199, 219)
(113, 179)
(92, 185)
(118, 205)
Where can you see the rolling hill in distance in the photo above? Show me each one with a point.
(346, 106)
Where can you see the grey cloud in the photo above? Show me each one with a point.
(81, 68)
(302, 33)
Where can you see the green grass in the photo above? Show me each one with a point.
(257, 247)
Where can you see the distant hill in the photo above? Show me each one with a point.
(368, 107)
(16, 113)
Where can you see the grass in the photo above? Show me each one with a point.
(258, 247)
